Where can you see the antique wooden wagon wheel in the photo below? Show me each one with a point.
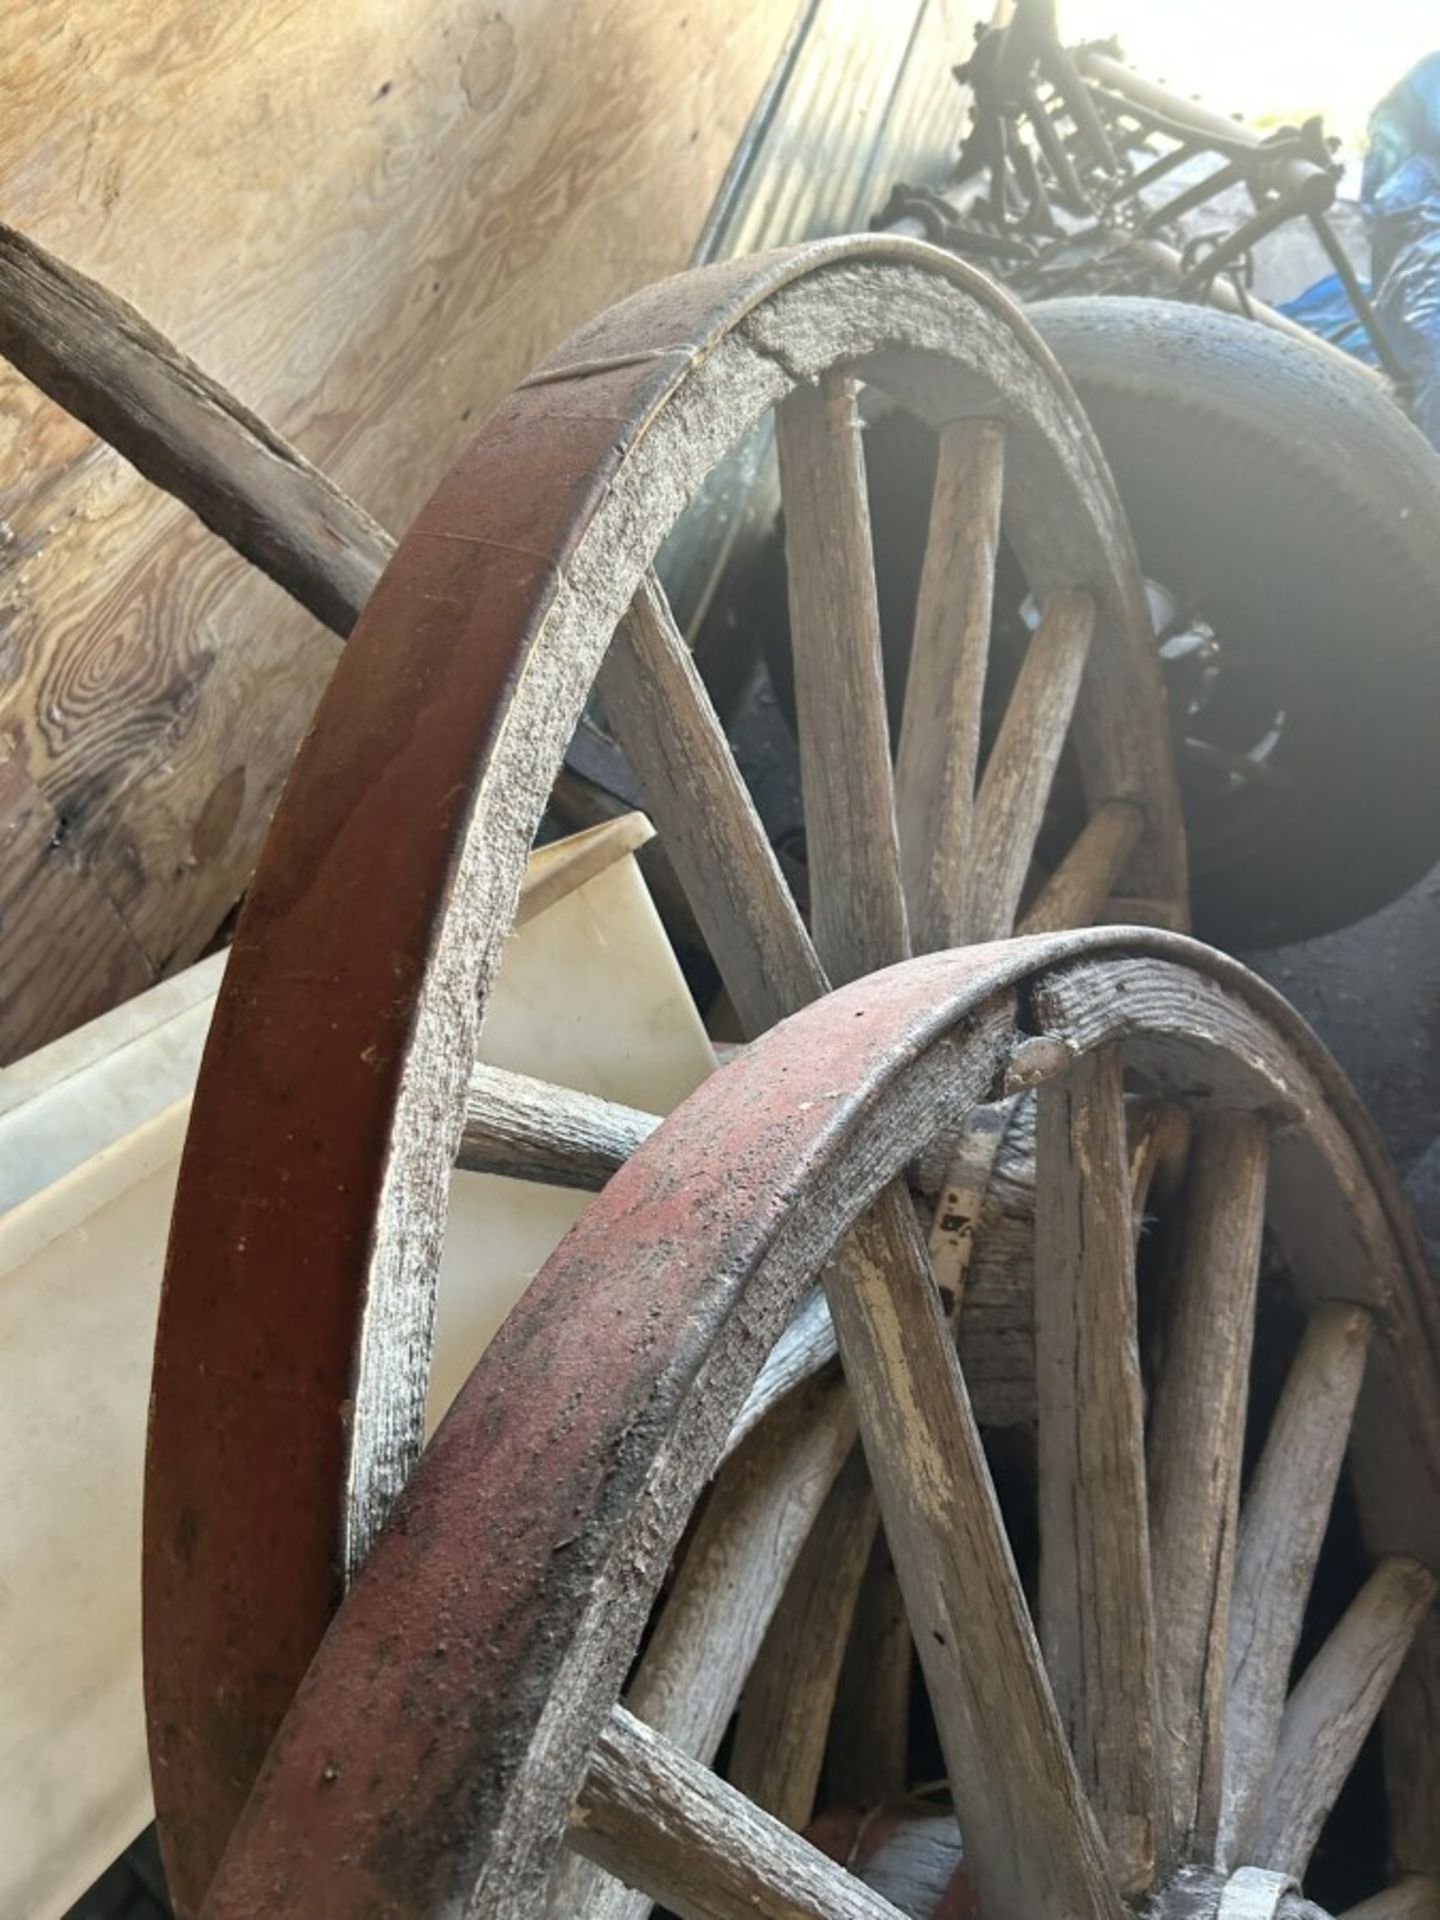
(293, 1347)
(1142, 1741)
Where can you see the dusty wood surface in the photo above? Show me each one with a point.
(675, 1829)
(1097, 1622)
(806, 1345)
(367, 224)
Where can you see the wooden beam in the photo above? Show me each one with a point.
(104, 363)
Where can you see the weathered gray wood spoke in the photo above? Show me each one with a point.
(657, 1819)
(785, 1710)
(531, 1129)
(1334, 1705)
(1410, 1743)
(727, 1586)
(1197, 1431)
(1282, 1525)
(945, 687)
(103, 362)
(694, 793)
(1030, 1835)
(1016, 784)
(857, 904)
(1096, 1617)
(1416, 1897)
(1076, 893)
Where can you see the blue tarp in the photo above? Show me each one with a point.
(1400, 195)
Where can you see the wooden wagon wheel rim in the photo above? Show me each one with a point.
(293, 1342)
(465, 1694)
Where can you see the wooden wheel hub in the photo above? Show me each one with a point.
(460, 1717)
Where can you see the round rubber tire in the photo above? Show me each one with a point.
(1281, 492)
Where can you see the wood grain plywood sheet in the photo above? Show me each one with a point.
(369, 221)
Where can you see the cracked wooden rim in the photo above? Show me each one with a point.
(462, 1708)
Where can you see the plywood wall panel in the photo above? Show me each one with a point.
(369, 219)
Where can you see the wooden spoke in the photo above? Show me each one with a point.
(940, 729)
(1096, 1619)
(1281, 1528)
(962, 1194)
(869, 1729)
(1410, 1736)
(1030, 1836)
(788, 1706)
(1076, 893)
(1016, 784)
(658, 1820)
(1197, 1432)
(677, 749)
(105, 363)
(532, 1129)
(785, 1711)
(1334, 1706)
(1157, 1156)
(857, 905)
(807, 1345)
(1417, 1897)
(728, 1584)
